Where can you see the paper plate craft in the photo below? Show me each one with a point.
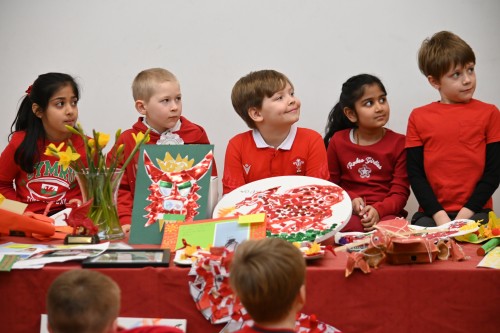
(477, 232)
(298, 208)
(313, 251)
(451, 229)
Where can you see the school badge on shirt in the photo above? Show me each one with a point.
(246, 167)
(298, 162)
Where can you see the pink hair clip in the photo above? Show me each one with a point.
(28, 91)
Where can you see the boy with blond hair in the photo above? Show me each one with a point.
(453, 145)
(268, 276)
(158, 99)
(274, 146)
(85, 301)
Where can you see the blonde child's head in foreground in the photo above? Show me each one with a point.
(157, 96)
(83, 301)
(265, 97)
(268, 276)
(448, 63)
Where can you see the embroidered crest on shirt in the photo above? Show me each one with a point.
(298, 164)
(364, 171)
(246, 167)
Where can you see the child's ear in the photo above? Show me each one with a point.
(300, 300)
(255, 114)
(37, 110)
(140, 107)
(435, 83)
(351, 115)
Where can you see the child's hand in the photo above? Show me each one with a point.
(464, 213)
(126, 228)
(357, 205)
(441, 218)
(369, 217)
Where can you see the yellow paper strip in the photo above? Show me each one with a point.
(252, 218)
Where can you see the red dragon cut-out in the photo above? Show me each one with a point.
(298, 208)
(174, 192)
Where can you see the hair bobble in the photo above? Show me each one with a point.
(28, 91)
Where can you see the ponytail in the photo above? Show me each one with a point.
(337, 121)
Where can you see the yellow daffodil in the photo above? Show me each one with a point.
(52, 150)
(66, 157)
(102, 139)
(139, 137)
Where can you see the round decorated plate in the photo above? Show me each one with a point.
(298, 208)
(451, 229)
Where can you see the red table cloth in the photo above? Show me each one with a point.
(444, 296)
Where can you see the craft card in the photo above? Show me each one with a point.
(132, 322)
(171, 180)
(214, 232)
(491, 260)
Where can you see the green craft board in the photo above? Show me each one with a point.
(139, 234)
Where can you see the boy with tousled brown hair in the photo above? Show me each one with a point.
(274, 146)
(268, 276)
(86, 301)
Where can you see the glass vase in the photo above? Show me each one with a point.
(102, 187)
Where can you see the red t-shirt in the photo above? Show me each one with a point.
(454, 139)
(189, 132)
(48, 183)
(248, 158)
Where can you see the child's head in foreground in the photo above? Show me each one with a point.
(268, 276)
(83, 301)
(256, 92)
(157, 96)
(448, 63)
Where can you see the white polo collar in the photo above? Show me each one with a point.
(285, 145)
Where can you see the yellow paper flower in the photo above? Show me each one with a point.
(66, 157)
(315, 248)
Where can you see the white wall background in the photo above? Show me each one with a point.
(210, 44)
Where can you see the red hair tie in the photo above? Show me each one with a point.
(28, 91)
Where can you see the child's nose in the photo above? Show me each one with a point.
(467, 78)
(175, 105)
(70, 109)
